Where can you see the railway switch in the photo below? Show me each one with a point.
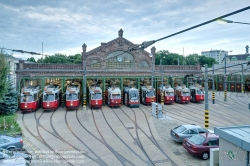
(157, 110)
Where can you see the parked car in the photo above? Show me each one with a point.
(21, 153)
(14, 162)
(11, 143)
(199, 145)
(179, 133)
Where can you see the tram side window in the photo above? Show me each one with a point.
(56, 96)
(35, 97)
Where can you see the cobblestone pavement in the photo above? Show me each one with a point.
(163, 126)
(38, 159)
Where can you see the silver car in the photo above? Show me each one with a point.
(179, 133)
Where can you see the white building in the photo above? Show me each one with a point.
(12, 63)
(218, 55)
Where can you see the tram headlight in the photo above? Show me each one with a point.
(71, 104)
(26, 106)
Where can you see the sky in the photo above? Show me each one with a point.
(62, 26)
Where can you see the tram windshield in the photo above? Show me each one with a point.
(150, 94)
(49, 97)
(169, 94)
(72, 97)
(199, 92)
(133, 95)
(96, 96)
(115, 96)
(27, 98)
(185, 94)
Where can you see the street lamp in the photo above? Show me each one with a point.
(84, 56)
(223, 21)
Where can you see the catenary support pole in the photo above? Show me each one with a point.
(206, 100)
(213, 95)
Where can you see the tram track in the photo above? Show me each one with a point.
(216, 114)
(25, 126)
(37, 127)
(124, 142)
(139, 144)
(122, 159)
(153, 140)
(237, 108)
(99, 161)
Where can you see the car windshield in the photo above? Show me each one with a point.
(97, 96)
(133, 95)
(179, 129)
(185, 94)
(199, 92)
(27, 98)
(72, 97)
(197, 139)
(150, 94)
(115, 96)
(169, 94)
(49, 97)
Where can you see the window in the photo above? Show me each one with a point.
(185, 94)
(193, 131)
(96, 96)
(197, 139)
(150, 94)
(179, 129)
(35, 96)
(213, 142)
(56, 96)
(27, 98)
(72, 97)
(126, 62)
(201, 130)
(115, 96)
(199, 92)
(133, 95)
(49, 97)
(95, 64)
(143, 64)
(185, 132)
(169, 94)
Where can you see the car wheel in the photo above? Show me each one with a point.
(11, 149)
(205, 156)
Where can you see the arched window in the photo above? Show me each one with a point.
(120, 59)
(143, 64)
(95, 64)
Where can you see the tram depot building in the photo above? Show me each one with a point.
(109, 63)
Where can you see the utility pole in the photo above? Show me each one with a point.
(206, 100)
(242, 85)
(84, 56)
(225, 79)
(42, 52)
(162, 92)
(153, 65)
(183, 57)
(213, 96)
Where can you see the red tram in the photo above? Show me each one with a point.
(113, 97)
(147, 95)
(131, 97)
(168, 94)
(95, 97)
(182, 94)
(30, 98)
(72, 97)
(51, 97)
(196, 93)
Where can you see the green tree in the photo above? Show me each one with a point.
(4, 69)
(192, 59)
(9, 104)
(31, 59)
(168, 58)
(60, 58)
